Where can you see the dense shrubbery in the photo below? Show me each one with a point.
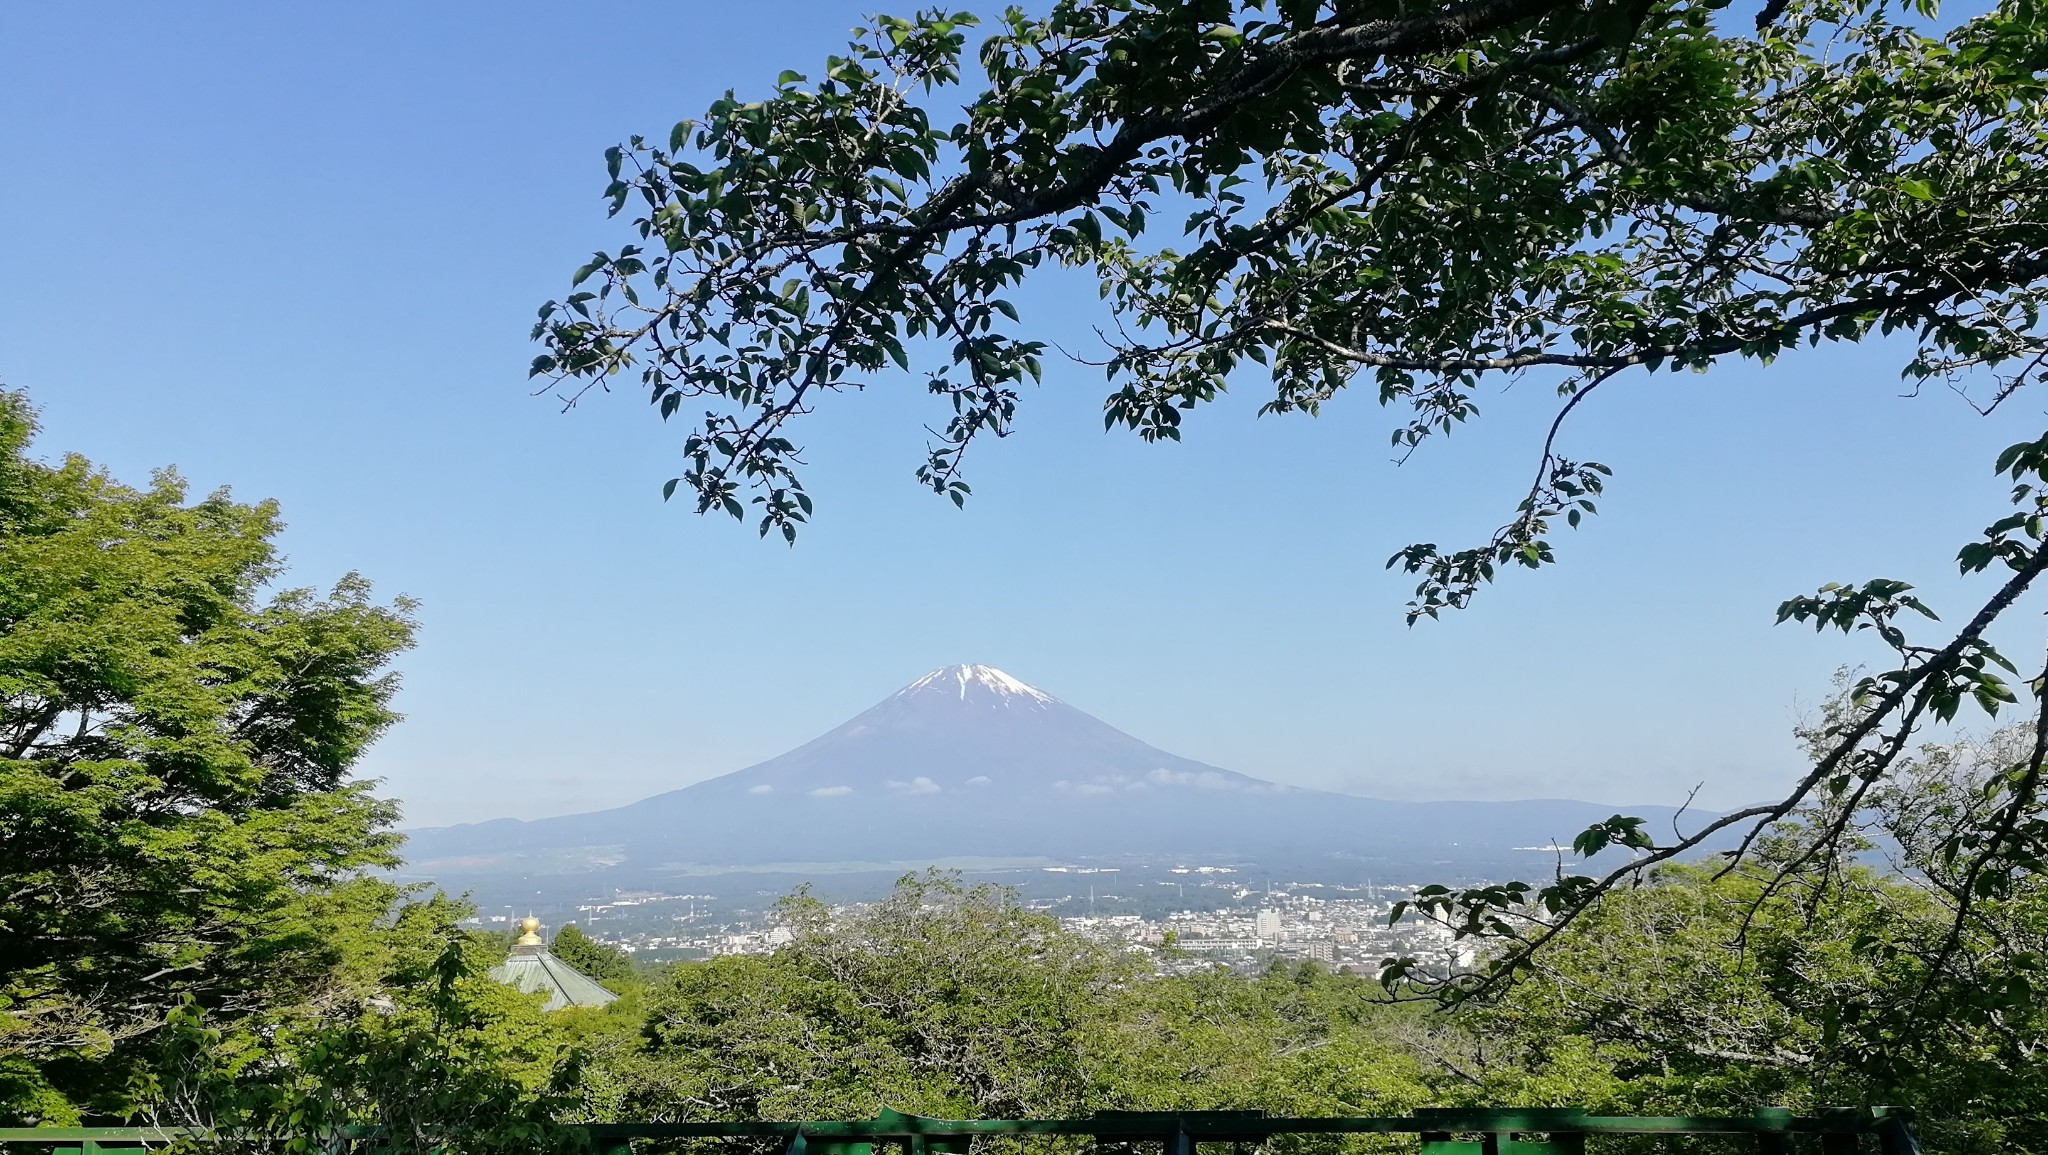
(955, 1002)
(606, 964)
(191, 927)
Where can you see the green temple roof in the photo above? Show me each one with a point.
(531, 967)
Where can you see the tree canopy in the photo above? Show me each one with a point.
(1412, 196)
(606, 964)
(1418, 199)
(1804, 976)
(177, 826)
(192, 927)
(953, 1000)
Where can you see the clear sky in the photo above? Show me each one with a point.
(295, 249)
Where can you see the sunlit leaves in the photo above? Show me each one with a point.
(1451, 580)
(178, 831)
(1317, 200)
(1618, 830)
(1418, 218)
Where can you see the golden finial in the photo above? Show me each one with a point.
(529, 932)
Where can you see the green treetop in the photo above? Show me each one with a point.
(178, 830)
(606, 964)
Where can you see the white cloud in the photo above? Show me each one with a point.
(763, 788)
(917, 785)
(1205, 780)
(831, 791)
(1084, 787)
(980, 780)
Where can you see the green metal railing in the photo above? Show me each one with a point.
(1446, 1131)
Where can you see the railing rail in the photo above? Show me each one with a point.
(1493, 1131)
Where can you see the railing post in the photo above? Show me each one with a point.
(1771, 1138)
(1895, 1131)
(1843, 1142)
(1559, 1143)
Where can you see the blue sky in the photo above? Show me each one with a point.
(295, 249)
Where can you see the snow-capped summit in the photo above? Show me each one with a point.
(986, 683)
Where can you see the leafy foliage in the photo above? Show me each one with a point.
(951, 1000)
(1702, 994)
(607, 964)
(441, 1059)
(192, 929)
(1296, 1040)
(1691, 994)
(941, 1000)
(177, 831)
(1419, 200)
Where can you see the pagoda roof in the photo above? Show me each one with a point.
(534, 968)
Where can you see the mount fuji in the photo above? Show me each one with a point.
(968, 761)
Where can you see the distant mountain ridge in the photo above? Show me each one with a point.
(969, 761)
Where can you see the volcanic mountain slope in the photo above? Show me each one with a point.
(969, 761)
